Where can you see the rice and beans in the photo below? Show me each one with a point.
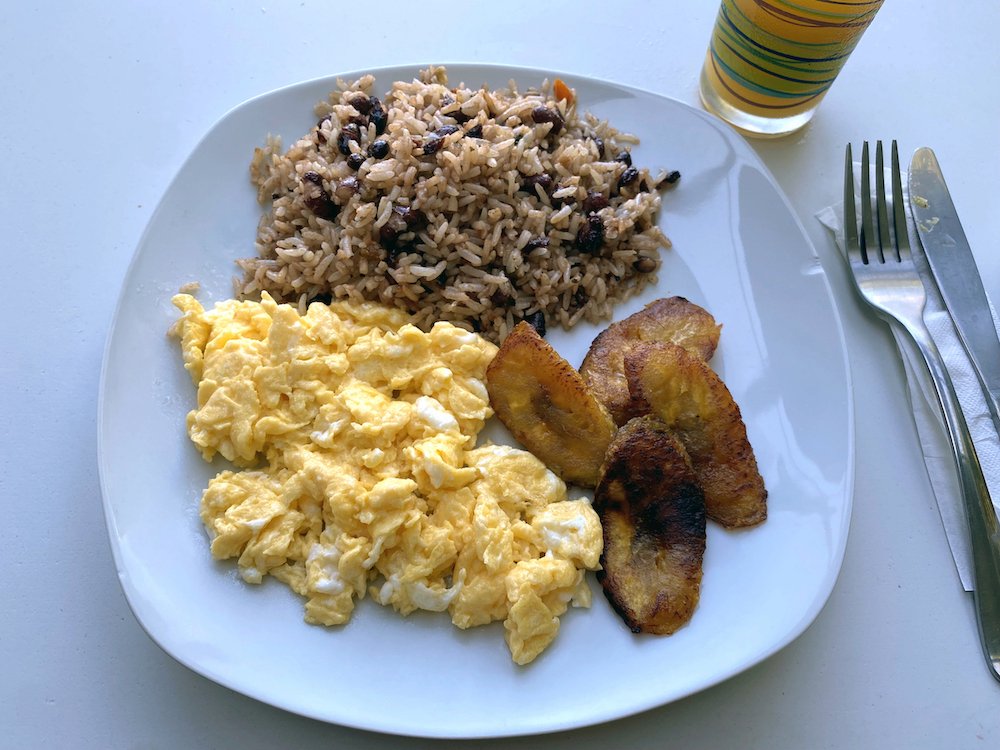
(475, 206)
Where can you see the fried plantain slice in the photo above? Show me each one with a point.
(683, 391)
(653, 515)
(544, 402)
(673, 319)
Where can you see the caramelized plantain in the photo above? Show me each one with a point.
(544, 402)
(683, 391)
(653, 515)
(673, 319)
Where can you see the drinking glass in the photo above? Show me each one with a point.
(770, 62)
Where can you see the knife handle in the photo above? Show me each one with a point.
(983, 525)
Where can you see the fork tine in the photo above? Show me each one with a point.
(867, 224)
(850, 214)
(881, 210)
(899, 209)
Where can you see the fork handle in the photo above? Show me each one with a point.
(983, 525)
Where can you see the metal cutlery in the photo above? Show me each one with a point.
(887, 279)
(955, 271)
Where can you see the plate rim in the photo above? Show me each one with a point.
(519, 72)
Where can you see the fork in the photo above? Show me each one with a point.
(887, 279)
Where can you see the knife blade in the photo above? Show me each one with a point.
(954, 268)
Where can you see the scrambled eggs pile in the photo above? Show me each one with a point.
(355, 437)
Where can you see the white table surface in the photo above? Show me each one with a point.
(98, 107)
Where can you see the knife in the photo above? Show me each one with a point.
(950, 258)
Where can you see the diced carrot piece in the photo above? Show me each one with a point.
(562, 91)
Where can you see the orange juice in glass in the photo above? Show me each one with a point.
(771, 61)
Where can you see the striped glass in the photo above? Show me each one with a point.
(771, 61)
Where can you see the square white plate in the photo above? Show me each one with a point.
(738, 250)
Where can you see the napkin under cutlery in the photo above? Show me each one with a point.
(927, 416)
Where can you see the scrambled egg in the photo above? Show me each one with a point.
(353, 434)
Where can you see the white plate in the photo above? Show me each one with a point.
(738, 250)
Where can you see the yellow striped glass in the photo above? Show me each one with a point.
(771, 61)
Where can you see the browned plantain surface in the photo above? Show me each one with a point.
(544, 402)
(653, 515)
(673, 319)
(683, 391)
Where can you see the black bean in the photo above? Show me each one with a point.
(594, 202)
(346, 188)
(537, 321)
(446, 130)
(500, 298)
(350, 132)
(590, 236)
(323, 297)
(320, 135)
(343, 143)
(599, 142)
(378, 116)
(625, 158)
(387, 236)
(542, 114)
(670, 178)
(392, 252)
(580, 297)
(379, 148)
(411, 217)
(402, 219)
(354, 161)
(543, 180)
(432, 144)
(361, 103)
(645, 265)
(476, 131)
(390, 231)
(536, 242)
(316, 198)
(628, 177)
(460, 117)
